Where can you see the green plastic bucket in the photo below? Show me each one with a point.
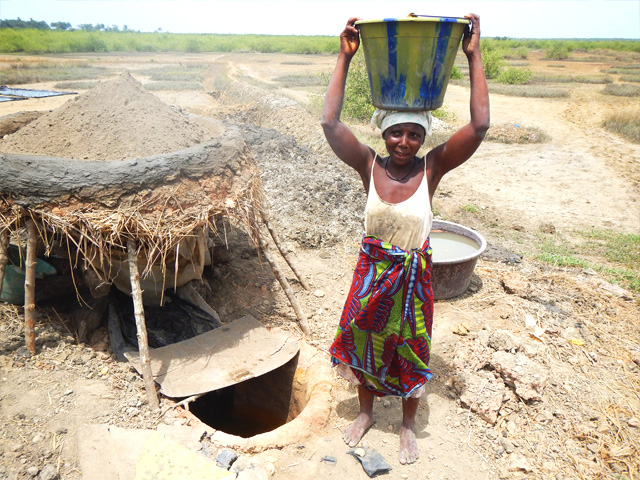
(14, 273)
(409, 60)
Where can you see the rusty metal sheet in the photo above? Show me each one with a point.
(227, 355)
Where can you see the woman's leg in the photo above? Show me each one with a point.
(363, 421)
(408, 445)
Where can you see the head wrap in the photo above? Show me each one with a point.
(384, 119)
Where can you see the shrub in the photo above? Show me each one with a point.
(625, 123)
(515, 76)
(357, 94)
(556, 51)
(456, 73)
(529, 91)
(630, 78)
(493, 63)
(621, 90)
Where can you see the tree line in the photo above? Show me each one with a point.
(42, 25)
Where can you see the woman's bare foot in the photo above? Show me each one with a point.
(408, 446)
(354, 432)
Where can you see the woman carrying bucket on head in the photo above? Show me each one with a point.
(384, 337)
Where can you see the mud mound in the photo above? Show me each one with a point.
(116, 120)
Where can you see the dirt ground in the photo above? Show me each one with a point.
(574, 337)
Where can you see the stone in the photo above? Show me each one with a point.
(49, 472)
(482, 393)
(519, 463)
(471, 356)
(503, 340)
(527, 377)
(515, 284)
(507, 445)
(226, 458)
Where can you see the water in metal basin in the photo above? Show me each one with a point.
(450, 246)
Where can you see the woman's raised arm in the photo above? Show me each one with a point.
(462, 144)
(341, 139)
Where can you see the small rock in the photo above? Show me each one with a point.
(33, 471)
(386, 403)
(319, 293)
(633, 422)
(49, 472)
(360, 452)
(544, 416)
(226, 458)
(462, 329)
(507, 445)
(133, 411)
(330, 460)
(518, 463)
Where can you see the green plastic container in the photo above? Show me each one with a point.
(409, 60)
(14, 273)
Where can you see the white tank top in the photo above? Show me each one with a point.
(406, 224)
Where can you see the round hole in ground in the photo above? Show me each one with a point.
(257, 405)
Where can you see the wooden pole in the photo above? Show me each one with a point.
(30, 287)
(302, 319)
(4, 254)
(276, 240)
(141, 327)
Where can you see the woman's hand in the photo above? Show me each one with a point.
(350, 38)
(471, 39)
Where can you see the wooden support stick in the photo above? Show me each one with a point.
(278, 244)
(141, 327)
(4, 254)
(302, 319)
(30, 287)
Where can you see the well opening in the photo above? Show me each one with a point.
(255, 406)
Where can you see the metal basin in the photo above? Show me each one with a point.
(455, 252)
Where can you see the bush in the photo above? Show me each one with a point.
(625, 123)
(493, 62)
(529, 91)
(621, 90)
(556, 51)
(515, 76)
(456, 73)
(357, 94)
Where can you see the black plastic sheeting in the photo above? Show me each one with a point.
(9, 94)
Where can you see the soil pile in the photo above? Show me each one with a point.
(116, 120)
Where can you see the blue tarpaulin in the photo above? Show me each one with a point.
(8, 94)
(10, 99)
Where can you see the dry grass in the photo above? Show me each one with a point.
(625, 123)
(621, 90)
(528, 91)
(508, 133)
(159, 223)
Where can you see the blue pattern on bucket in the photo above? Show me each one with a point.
(391, 87)
(434, 83)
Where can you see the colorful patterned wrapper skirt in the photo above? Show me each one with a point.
(385, 328)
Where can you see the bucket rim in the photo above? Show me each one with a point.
(422, 18)
(460, 230)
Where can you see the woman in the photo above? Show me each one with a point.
(384, 336)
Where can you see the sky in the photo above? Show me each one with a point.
(499, 18)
